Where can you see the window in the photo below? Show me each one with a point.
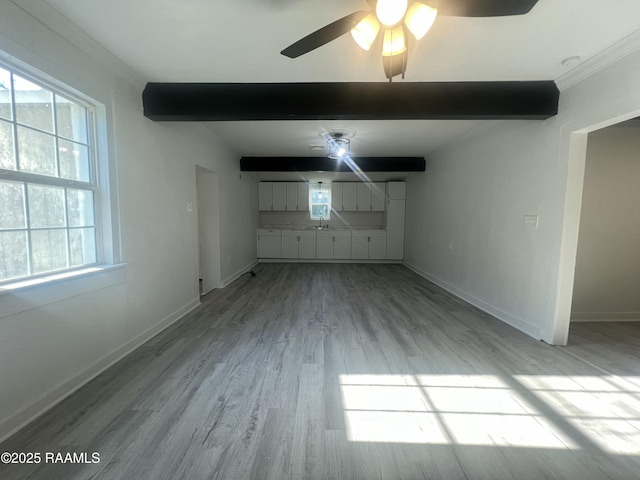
(320, 202)
(48, 186)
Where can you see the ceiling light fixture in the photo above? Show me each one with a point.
(418, 19)
(338, 145)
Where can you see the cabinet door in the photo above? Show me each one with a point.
(265, 196)
(363, 201)
(377, 248)
(349, 195)
(378, 196)
(359, 248)
(336, 197)
(307, 247)
(396, 190)
(303, 196)
(342, 248)
(279, 196)
(292, 196)
(269, 246)
(395, 229)
(289, 247)
(324, 248)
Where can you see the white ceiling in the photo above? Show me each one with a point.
(240, 41)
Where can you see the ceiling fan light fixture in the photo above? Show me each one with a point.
(393, 42)
(420, 18)
(366, 31)
(390, 12)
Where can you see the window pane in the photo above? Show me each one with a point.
(5, 94)
(7, 156)
(49, 250)
(74, 160)
(36, 152)
(46, 206)
(12, 201)
(34, 104)
(13, 255)
(320, 211)
(80, 204)
(320, 196)
(72, 120)
(82, 242)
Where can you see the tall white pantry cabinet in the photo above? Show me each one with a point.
(396, 203)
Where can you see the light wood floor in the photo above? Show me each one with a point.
(350, 372)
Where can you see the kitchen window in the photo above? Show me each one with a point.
(49, 192)
(320, 202)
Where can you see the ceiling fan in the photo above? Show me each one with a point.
(398, 17)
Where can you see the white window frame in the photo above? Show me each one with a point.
(324, 188)
(104, 200)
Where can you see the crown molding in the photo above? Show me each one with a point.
(46, 14)
(610, 55)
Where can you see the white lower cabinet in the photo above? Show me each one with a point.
(299, 244)
(269, 243)
(369, 244)
(323, 244)
(333, 244)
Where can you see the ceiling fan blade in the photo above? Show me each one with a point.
(323, 36)
(372, 3)
(482, 8)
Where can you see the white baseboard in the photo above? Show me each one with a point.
(605, 316)
(501, 315)
(232, 278)
(62, 390)
(315, 260)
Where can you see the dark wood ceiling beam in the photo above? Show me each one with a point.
(324, 164)
(535, 100)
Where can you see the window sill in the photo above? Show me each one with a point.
(34, 293)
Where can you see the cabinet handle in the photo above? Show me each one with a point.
(298, 238)
(334, 239)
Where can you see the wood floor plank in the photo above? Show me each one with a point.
(339, 371)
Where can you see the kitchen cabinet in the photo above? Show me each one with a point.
(265, 196)
(363, 197)
(299, 244)
(395, 216)
(333, 244)
(303, 196)
(269, 243)
(368, 244)
(336, 197)
(378, 196)
(396, 190)
(279, 196)
(349, 197)
(292, 197)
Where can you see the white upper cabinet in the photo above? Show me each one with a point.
(265, 196)
(363, 201)
(292, 196)
(378, 196)
(349, 197)
(397, 190)
(336, 197)
(279, 196)
(303, 196)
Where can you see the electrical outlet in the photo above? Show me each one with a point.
(530, 221)
(190, 207)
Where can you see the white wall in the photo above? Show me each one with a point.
(476, 191)
(607, 279)
(49, 346)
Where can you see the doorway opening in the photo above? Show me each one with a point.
(570, 279)
(208, 211)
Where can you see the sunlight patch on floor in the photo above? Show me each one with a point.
(605, 409)
(444, 409)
